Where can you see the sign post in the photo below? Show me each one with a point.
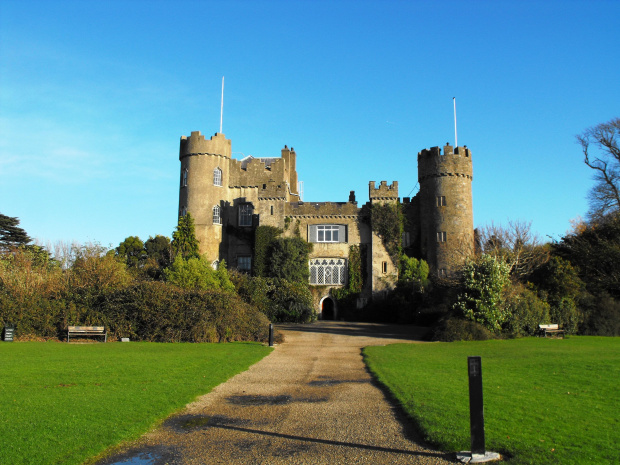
(9, 331)
(270, 335)
(478, 452)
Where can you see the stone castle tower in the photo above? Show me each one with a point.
(446, 208)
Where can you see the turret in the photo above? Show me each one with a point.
(446, 216)
(204, 183)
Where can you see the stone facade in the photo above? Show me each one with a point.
(230, 198)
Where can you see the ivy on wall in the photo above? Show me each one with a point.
(263, 238)
(388, 222)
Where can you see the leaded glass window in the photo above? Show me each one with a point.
(328, 271)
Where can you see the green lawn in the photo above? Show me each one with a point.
(63, 403)
(545, 400)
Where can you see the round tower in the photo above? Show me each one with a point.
(446, 208)
(204, 187)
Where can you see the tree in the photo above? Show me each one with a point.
(132, 251)
(11, 235)
(514, 245)
(184, 240)
(289, 259)
(197, 273)
(604, 197)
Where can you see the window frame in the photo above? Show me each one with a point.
(246, 259)
(184, 176)
(217, 215)
(325, 230)
(442, 237)
(217, 177)
(246, 212)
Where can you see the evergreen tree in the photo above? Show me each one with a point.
(11, 235)
(184, 240)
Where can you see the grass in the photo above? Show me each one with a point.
(65, 403)
(545, 400)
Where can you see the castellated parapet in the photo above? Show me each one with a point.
(384, 191)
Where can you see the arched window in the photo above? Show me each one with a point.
(217, 177)
(217, 217)
(184, 178)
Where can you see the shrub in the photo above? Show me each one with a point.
(603, 318)
(525, 311)
(197, 273)
(458, 329)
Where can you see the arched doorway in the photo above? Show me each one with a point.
(328, 312)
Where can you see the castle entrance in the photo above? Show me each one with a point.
(327, 309)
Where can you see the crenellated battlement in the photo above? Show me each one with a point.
(453, 161)
(384, 191)
(197, 144)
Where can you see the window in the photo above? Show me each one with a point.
(244, 263)
(217, 218)
(328, 271)
(245, 215)
(406, 239)
(272, 209)
(215, 265)
(441, 236)
(184, 178)
(442, 272)
(217, 177)
(327, 233)
(183, 211)
(441, 200)
(384, 267)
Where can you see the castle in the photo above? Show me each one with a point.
(230, 198)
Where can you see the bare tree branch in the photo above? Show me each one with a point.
(604, 198)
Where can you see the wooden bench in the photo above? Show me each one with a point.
(81, 331)
(550, 329)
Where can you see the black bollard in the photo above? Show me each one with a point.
(270, 335)
(476, 410)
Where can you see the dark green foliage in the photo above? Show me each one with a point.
(602, 316)
(525, 312)
(292, 302)
(279, 300)
(458, 329)
(388, 222)
(132, 251)
(263, 240)
(184, 240)
(158, 248)
(289, 259)
(595, 252)
(355, 269)
(154, 311)
(11, 235)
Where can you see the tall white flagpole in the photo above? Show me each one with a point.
(222, 107)
(456, 141)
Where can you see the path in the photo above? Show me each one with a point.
(311, 401)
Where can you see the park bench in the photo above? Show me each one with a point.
(550, 329)
(81, 331)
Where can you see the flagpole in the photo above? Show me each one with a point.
(222, 107)
(456, 143)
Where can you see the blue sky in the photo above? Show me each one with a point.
(94, 97)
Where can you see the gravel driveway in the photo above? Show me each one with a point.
(311, 401)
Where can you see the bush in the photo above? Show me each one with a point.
(457, 329)
(197, 273)
(602, 317)
(525, 311)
